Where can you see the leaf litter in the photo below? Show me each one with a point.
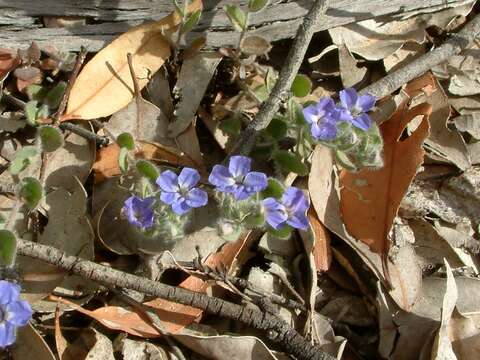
(388, 266)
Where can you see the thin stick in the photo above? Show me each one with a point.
(73, 77)
(80, 131)
(277, 330)
(453, 46)
(289, 70)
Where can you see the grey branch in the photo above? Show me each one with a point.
(453, 46)
(287, 74)
(277, 329)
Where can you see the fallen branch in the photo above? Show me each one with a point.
(453, 46)
(285, 79)
(277, 330)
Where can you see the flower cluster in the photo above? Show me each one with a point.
(13, 312)
(324, 117)
(237, 190)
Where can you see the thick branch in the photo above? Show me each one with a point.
(285, 79)
(421, 65)
(277, 330)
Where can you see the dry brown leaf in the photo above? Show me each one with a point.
(30, 345)
(8, 61)
(370, 199)
(60, 342)
(101, 89)
(106, 164)
(322, 252)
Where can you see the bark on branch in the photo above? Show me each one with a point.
(276, 329)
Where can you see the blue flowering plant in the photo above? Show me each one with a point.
(347, 128)
(14, 312)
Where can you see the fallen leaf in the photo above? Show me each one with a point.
(370, 199)
(100, 89)
(442, 347)
(61, 343)
(194, 77)
(350, 73)
(138, 350)
(322, 252)
(30, 345)
(446, 144)
(8, 61)
(469, 123)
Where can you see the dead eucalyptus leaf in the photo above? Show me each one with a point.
(30, 345)
(350, 73)
(469, 123)
(447, 144)
(104, 85)
(195, 74)
(255, 45)
(370, 199)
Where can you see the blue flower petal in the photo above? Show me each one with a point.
(362, 121)
(324, 131)
(138, 211)
(168, 181)
(310, 114)
(169, 197)
(295, 200)
(348, 98)
(180, 207)
(221, 177)
(188, 178)
(255, 181)
(196, 198)
(275, 213)
(18, 312)
(298, 221)
(239, 166)
(325, 106)
(7, 334)
(366, 102)
(8, 292)
(241, 192)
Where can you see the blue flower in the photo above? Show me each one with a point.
(237, 178)
(357, 107)
(322, 118)
(139, 211)
(13, 312)
(290, 210)
(180, 191)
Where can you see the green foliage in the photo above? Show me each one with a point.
(125, 140)
(51, 138)
(257, 5)
(22, 159)
(54, 96)
(290, 162)
(283, 233)
(8, 248)
(231, 126)
(31, 191)
(123, 159)
(191, 22)
(34, 110)
(277, 128)
(274, 189)
(147, 169)
(237, 17)
(302, 86)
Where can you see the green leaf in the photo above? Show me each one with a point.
(55, 95)
(36, 92)
(283, 233)
(257, 5)
(31, 109)
(231, 126)
(344, 161)
(8, 247)
(289, 162)
(237, 17)
(22, 159)
(125, 140)
(277, 128)
(301, 86)
(274, 189)
(123, 159)
(31, 191)
(51, 138)
(191, 22)
(147, 169)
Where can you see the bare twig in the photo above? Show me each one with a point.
(80, 131)
(277, 330)
(73, 77)
(422, 64)
(289, 70)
